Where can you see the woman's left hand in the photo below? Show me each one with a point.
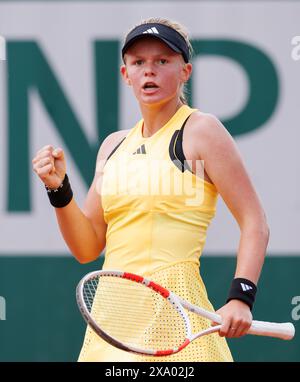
(236, 319)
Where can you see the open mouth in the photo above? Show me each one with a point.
(150, 86)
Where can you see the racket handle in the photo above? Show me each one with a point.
(285, 331)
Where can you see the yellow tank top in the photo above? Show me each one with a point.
(157, 213)
(168, 209)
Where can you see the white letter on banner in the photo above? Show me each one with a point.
(2, 48)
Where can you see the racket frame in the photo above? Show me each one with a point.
(285, 331)
(169, 296)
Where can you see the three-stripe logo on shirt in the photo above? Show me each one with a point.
(140, 150)
(245, 287)
(151, 30)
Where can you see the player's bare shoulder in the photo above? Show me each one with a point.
(200, 122)
(203, 130)
(106, 147)
(110, 142)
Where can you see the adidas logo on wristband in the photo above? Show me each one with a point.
(244, 290)
(245, 287)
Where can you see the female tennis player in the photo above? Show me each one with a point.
(159, 231)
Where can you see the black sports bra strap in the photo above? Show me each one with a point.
(115, 149)
(178, 149)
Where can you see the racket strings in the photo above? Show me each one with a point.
(134, 314)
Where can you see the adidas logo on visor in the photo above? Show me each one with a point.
(151, 30)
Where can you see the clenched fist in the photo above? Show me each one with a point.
(50, 166)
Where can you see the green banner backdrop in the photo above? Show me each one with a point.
(61, 85)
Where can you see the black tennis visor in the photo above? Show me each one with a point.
(162, 32)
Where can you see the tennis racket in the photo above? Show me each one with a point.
(137, 315)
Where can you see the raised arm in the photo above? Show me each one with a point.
(84, 230)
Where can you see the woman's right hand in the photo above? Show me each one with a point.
(50, 166)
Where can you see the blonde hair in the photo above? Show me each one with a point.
(178, 28)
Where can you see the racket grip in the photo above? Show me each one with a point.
(285, 331)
